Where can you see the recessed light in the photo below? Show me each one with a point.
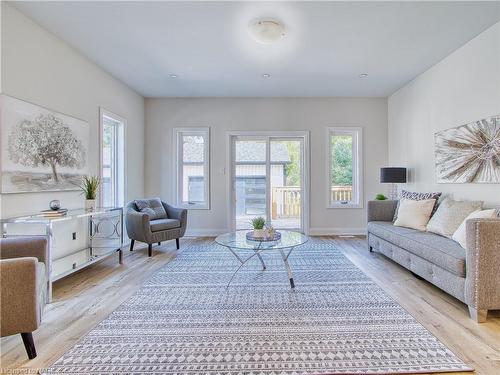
(266, 75)
(363, 75)
(173, 75)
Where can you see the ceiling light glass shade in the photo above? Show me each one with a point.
(266, 31)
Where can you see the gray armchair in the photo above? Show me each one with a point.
(153, 221)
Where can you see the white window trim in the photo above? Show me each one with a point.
(205, 132)
(357, 169)
(104, 112)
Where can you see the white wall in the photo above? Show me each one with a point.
(225, 114)
(40, 68)
(463, 87)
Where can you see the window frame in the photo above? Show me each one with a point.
(357, 165)
(121, 160)
(178, 133)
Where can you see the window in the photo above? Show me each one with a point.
(344, 165)
(112, 160)
(192, 165)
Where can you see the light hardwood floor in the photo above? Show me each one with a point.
(85, 298)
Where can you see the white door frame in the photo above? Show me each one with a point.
(230, 185)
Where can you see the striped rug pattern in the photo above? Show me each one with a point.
(185, 321)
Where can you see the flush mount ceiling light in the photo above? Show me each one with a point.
(363, 75)
(266, 75)
(266, 31)
(173, 75)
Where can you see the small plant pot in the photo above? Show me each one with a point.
(259, 233)
(90, 204)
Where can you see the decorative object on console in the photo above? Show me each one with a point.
(90, 186)
(41, 150)
(54, 213)
(469, 153)
(450, 215)
(380, 197)
(460, 234)
(414, 214)
(393, 176)
(55, 204)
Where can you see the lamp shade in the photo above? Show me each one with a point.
(395, 175)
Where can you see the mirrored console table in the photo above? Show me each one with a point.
(100, 236)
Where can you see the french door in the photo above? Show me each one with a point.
(268, 178)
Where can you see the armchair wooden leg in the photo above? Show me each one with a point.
(29, 344)
(150, 249)
(479, 316)
(132, 245)
(177, 243)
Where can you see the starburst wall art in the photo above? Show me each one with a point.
(469, 153)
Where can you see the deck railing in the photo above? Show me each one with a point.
(285, 200)
(341, 194)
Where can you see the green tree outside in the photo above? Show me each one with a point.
(341, 158)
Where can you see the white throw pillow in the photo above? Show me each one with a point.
(460, 233)
(414, 214)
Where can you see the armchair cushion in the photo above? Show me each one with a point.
(153, 207)
(164, 224)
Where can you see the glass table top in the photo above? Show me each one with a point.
(238, 240)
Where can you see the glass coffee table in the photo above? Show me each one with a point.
(237, 241)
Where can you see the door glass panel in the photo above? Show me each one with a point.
(286, 183)
(250, 181)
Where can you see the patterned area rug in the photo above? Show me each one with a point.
(185, 321)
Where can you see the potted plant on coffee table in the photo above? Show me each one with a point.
(258, 224)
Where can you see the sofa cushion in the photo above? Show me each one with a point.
(436, 249)
(450, 215)
(416, 196)
(414, 213)
(153, 207)
(164, 224)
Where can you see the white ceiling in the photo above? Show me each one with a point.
(329, 44)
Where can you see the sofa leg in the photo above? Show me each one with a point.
(370, 249)
(159, 243)
(29, 344)
(150, 249)
(132, 245)
(479, 316)
(177, 243)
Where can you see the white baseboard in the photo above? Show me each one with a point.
(205, 232)
(337, 231)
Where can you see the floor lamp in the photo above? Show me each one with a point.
(393, 176)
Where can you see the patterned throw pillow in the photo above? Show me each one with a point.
(450, 215)
(153, 207)
(415, 196)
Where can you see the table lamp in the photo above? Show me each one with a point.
(393, 176)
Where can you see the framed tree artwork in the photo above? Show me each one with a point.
(469, 153)
(42, 150)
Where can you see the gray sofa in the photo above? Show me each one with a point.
(141, 228)
(472, 275)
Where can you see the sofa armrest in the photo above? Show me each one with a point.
(381, 210)
(482, 282)
(19, 301)
(138, 227)
(25, 246)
